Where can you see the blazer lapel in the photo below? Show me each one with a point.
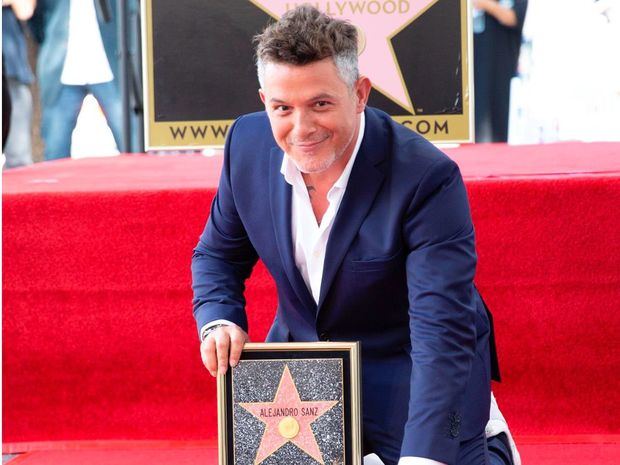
(280, 199)
(364, 183)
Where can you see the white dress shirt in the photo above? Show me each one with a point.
(310, 243)
(86, 61)
(309, 237)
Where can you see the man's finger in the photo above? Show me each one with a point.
(208, 355)
(237, 340)
(222, 346)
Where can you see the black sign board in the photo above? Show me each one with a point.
(200, 73)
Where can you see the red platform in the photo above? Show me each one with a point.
(99, 341)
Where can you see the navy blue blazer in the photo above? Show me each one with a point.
(398, 276)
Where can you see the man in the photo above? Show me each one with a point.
(365, 227)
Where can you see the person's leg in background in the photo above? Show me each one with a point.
(108, 96)
(58, 121)
(18, 148)
(482, 89)
(500, 106)
(482, 113)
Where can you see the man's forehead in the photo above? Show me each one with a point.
(314, 80)
(326, 65)
(277, 98)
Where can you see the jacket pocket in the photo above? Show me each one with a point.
(377, 264)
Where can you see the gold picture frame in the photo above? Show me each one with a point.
(292, 403)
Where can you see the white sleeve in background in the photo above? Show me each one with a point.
(418, 461)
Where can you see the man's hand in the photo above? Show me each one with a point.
(504, 15)
(23, 9)
(223, 347)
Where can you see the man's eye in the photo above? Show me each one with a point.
(282, 108)
(321, 104)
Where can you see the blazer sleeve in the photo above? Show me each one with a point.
(440, 269)
(224, 256)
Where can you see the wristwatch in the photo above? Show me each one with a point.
(209, 330)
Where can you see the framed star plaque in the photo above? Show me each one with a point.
(291, 403)
(199, 72)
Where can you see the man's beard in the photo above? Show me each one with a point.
(314, 166)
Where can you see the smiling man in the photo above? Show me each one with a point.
(366, 230)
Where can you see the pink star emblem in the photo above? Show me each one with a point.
(288, 418)
(379, 21)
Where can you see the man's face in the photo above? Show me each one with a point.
(314, 115)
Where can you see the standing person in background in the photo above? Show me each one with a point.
(77, 57)
(497, 40)
(18, 75)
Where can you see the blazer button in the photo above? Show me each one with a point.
(324, 337)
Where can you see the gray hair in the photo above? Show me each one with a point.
(305, 35)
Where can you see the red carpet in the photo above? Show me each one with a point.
(130, 454)
(578, 453)
(99, 341)
(569, 454)
(119, 457)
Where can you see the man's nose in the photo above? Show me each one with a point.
(304, 125)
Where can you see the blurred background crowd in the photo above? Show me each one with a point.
(71, 104)
(545, 71)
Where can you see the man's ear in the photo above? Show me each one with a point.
(362, 92)
(262, 95)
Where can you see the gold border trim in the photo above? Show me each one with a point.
(291, 346)
(467, 37)
(356, 400)
(147, 70)
(222, 444)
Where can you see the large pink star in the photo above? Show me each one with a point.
(379, 21)
(287, 418)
